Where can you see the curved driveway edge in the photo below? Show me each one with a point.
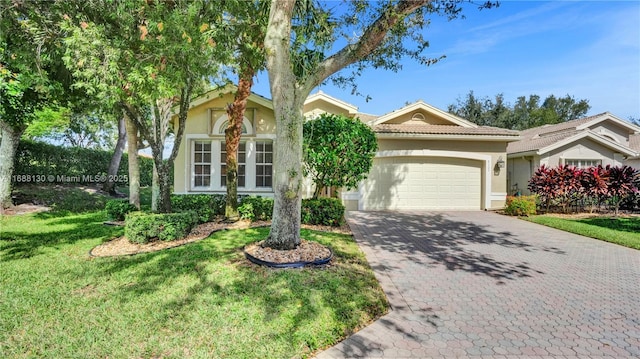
(478, 284)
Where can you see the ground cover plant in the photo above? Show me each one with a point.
(199, 300)
(620, 230)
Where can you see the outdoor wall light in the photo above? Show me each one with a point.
(500, 163)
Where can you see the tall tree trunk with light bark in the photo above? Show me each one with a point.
(134, 166)
(233, 133)
(289, 91)
(287, 182)
(9, 141)
(110, 185)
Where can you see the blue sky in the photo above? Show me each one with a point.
(587, 49)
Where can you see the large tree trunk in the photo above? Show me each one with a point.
(287, 183)
(9, 141)
(110, 185)
(285, 225)
(155, 188)
(164, 200)
(157, 135)
(161, 187)
(134, 166)
(233, 132)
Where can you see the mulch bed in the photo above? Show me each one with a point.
(307, 251)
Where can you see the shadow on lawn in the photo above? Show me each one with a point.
(26, 242)
(216, 272)
(631, 225)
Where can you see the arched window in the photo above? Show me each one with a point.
(223, 121)
(609, 137)
(417, 117)
(225, 124)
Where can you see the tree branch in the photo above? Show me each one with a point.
(373, 36)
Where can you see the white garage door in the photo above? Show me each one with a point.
(423, 183)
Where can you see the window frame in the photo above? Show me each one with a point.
(264, 164)
(195, 152)
(216, 149)
(580, 162)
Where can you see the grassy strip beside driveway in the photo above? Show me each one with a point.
(624, 231)
(201, 300)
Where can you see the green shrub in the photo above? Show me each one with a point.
(323, 211)
(256, 208)
(207, 206)
(520, 206)
(44, 160)
(143, 227)
(118, 208)
(246, 212)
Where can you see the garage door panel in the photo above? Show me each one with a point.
(423, 183)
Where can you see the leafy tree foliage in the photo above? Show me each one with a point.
(147, 58)
(525, 113)
(91, 130)
(338, 151)
(31, 74)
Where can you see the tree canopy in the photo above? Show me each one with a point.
(525, 113)
(148, 58)
(32, 74)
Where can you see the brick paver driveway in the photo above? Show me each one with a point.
(464, 284)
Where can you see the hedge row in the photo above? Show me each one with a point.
(322, 211)
(190, 210)
(45, 160)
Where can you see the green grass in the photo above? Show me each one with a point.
(201, 300)
(621, 230)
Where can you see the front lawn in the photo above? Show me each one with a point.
(201, 300)
(621, 230)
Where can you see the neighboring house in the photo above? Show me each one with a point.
(596, 140)
(427, 158)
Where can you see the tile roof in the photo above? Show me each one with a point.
(366, 117)
(533, 143)
(537, 138)
(442, 130)
(568, 125)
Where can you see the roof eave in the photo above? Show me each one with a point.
(423, 105)
(521, 154)
(595, 137)
(611, 117)
(431, 136)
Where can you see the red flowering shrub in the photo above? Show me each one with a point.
(621, 184)
(564, 185)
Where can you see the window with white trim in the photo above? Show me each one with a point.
(202, 164)
(209, 169)
(582, 163)
(242, 158)
(264, 163)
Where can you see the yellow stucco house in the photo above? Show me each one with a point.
(427, 158)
